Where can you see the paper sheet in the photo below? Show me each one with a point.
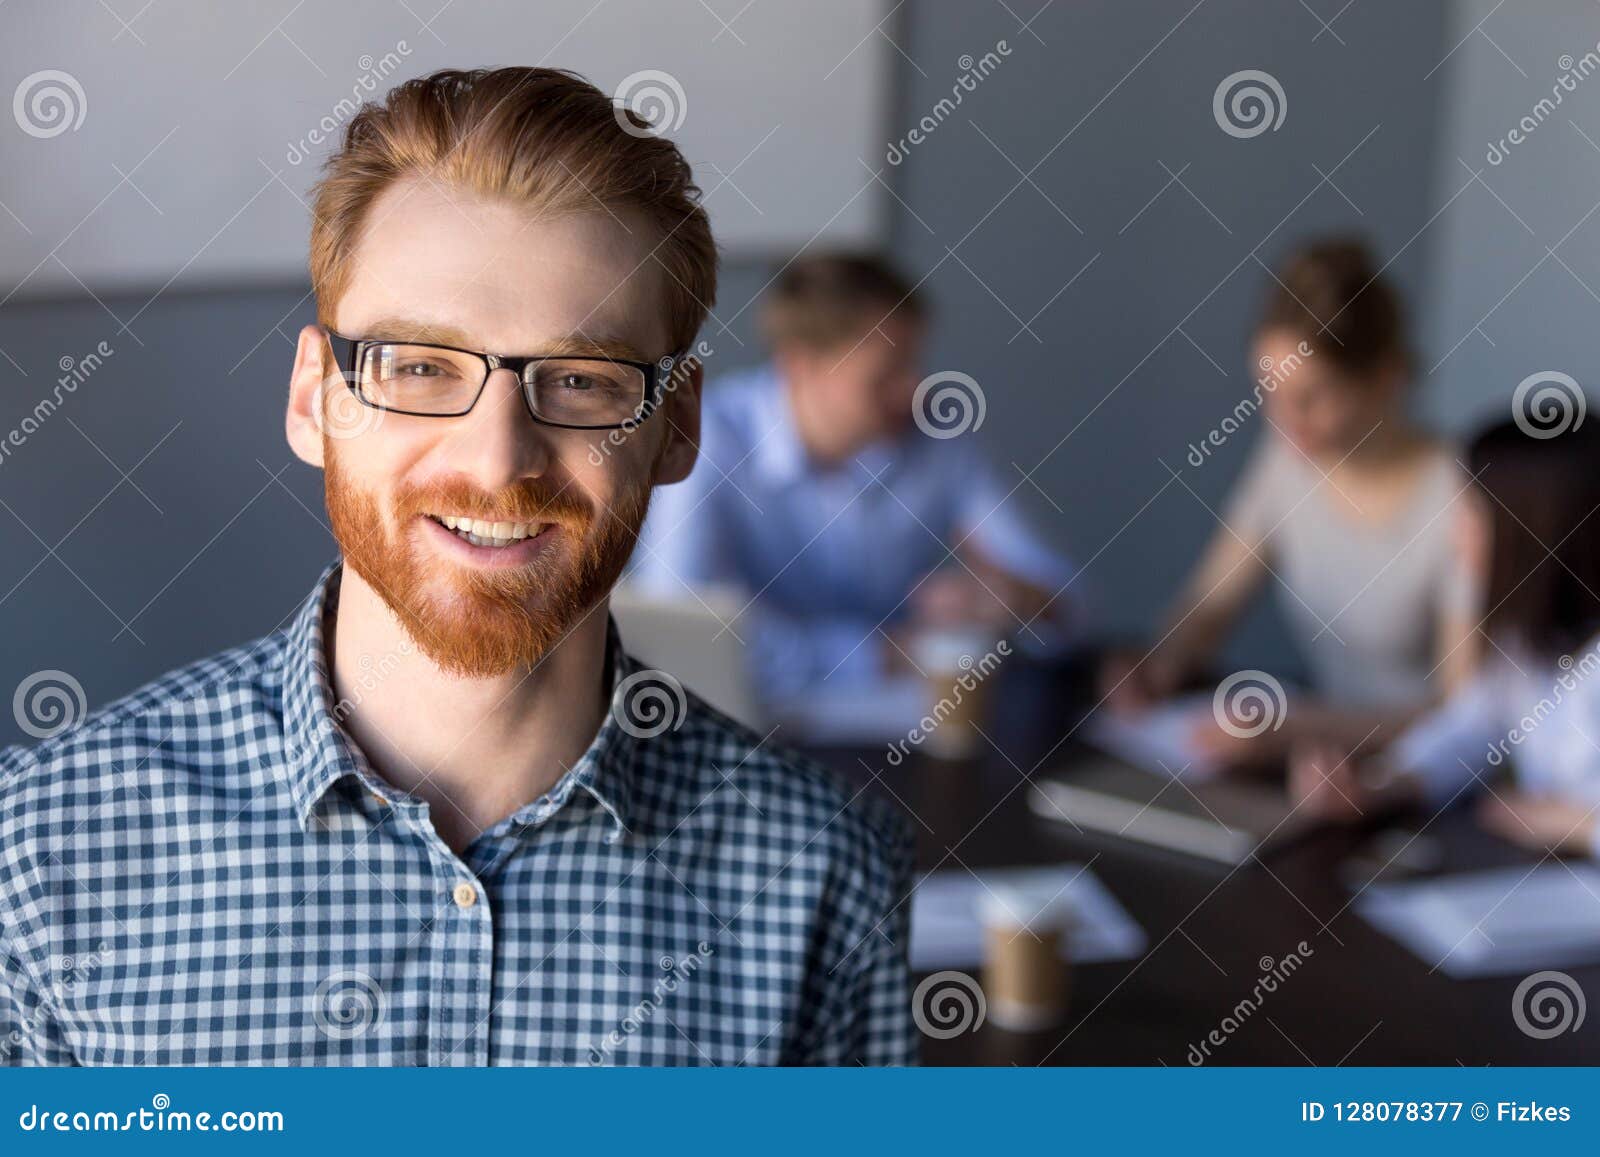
(1495, 923)
(946, 933)
(1158, 739)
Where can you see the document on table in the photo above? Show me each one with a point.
(946, 931)
(1495, 923)
(1160, 738)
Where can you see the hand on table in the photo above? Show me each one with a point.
(1130, 682)
(1323, 783)
(951, 597)
(1239, 750)
(1541, 823)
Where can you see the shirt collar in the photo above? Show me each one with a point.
(320, 753)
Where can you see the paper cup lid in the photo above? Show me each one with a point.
(945, 650)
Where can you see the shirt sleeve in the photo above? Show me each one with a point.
(991, 514)
(28, 1031)
(992, 517)
(1460, 593)
(866, 1018)
(1256, 503)
(1449, 747)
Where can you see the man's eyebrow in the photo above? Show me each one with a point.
(428, 333)
(582, 346)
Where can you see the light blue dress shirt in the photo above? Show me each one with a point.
(830, 555)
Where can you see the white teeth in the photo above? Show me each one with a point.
(482, 533)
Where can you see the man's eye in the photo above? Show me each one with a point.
(418, 370)
(577, 382)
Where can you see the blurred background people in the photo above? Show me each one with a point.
(1344, 510)
(1528, 528)
(820, 496)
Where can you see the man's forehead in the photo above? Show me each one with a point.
(501, 277)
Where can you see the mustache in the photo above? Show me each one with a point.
(529, 500)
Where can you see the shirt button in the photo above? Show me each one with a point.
(465, 895)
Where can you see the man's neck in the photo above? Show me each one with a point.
(475, 749)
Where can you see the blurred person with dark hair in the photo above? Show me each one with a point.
(822, 494)
(1345, 506)
(1529, 530)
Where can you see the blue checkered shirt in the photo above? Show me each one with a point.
(209, 872)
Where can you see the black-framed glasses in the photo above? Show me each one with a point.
(437, 381)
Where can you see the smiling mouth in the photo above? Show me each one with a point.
(480, 532)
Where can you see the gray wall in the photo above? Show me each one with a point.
(1503, 305)
(160, 501)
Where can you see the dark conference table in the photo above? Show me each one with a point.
(1359, 998)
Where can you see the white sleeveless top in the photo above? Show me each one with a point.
(1362, 599)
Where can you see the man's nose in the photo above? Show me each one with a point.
(498, 442)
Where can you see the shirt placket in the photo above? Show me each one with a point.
(459, 1000)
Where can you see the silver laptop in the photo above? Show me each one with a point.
(695, 639)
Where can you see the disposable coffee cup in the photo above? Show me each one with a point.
(1025, 972)
(957, 695)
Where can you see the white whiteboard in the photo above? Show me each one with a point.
(178, 148)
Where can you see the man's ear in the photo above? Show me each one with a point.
(303, 421)
(681, 414)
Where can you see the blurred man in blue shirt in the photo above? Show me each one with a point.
(846, 496)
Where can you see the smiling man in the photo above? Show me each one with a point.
(442, 817)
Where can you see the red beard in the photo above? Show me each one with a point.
(481, 623)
